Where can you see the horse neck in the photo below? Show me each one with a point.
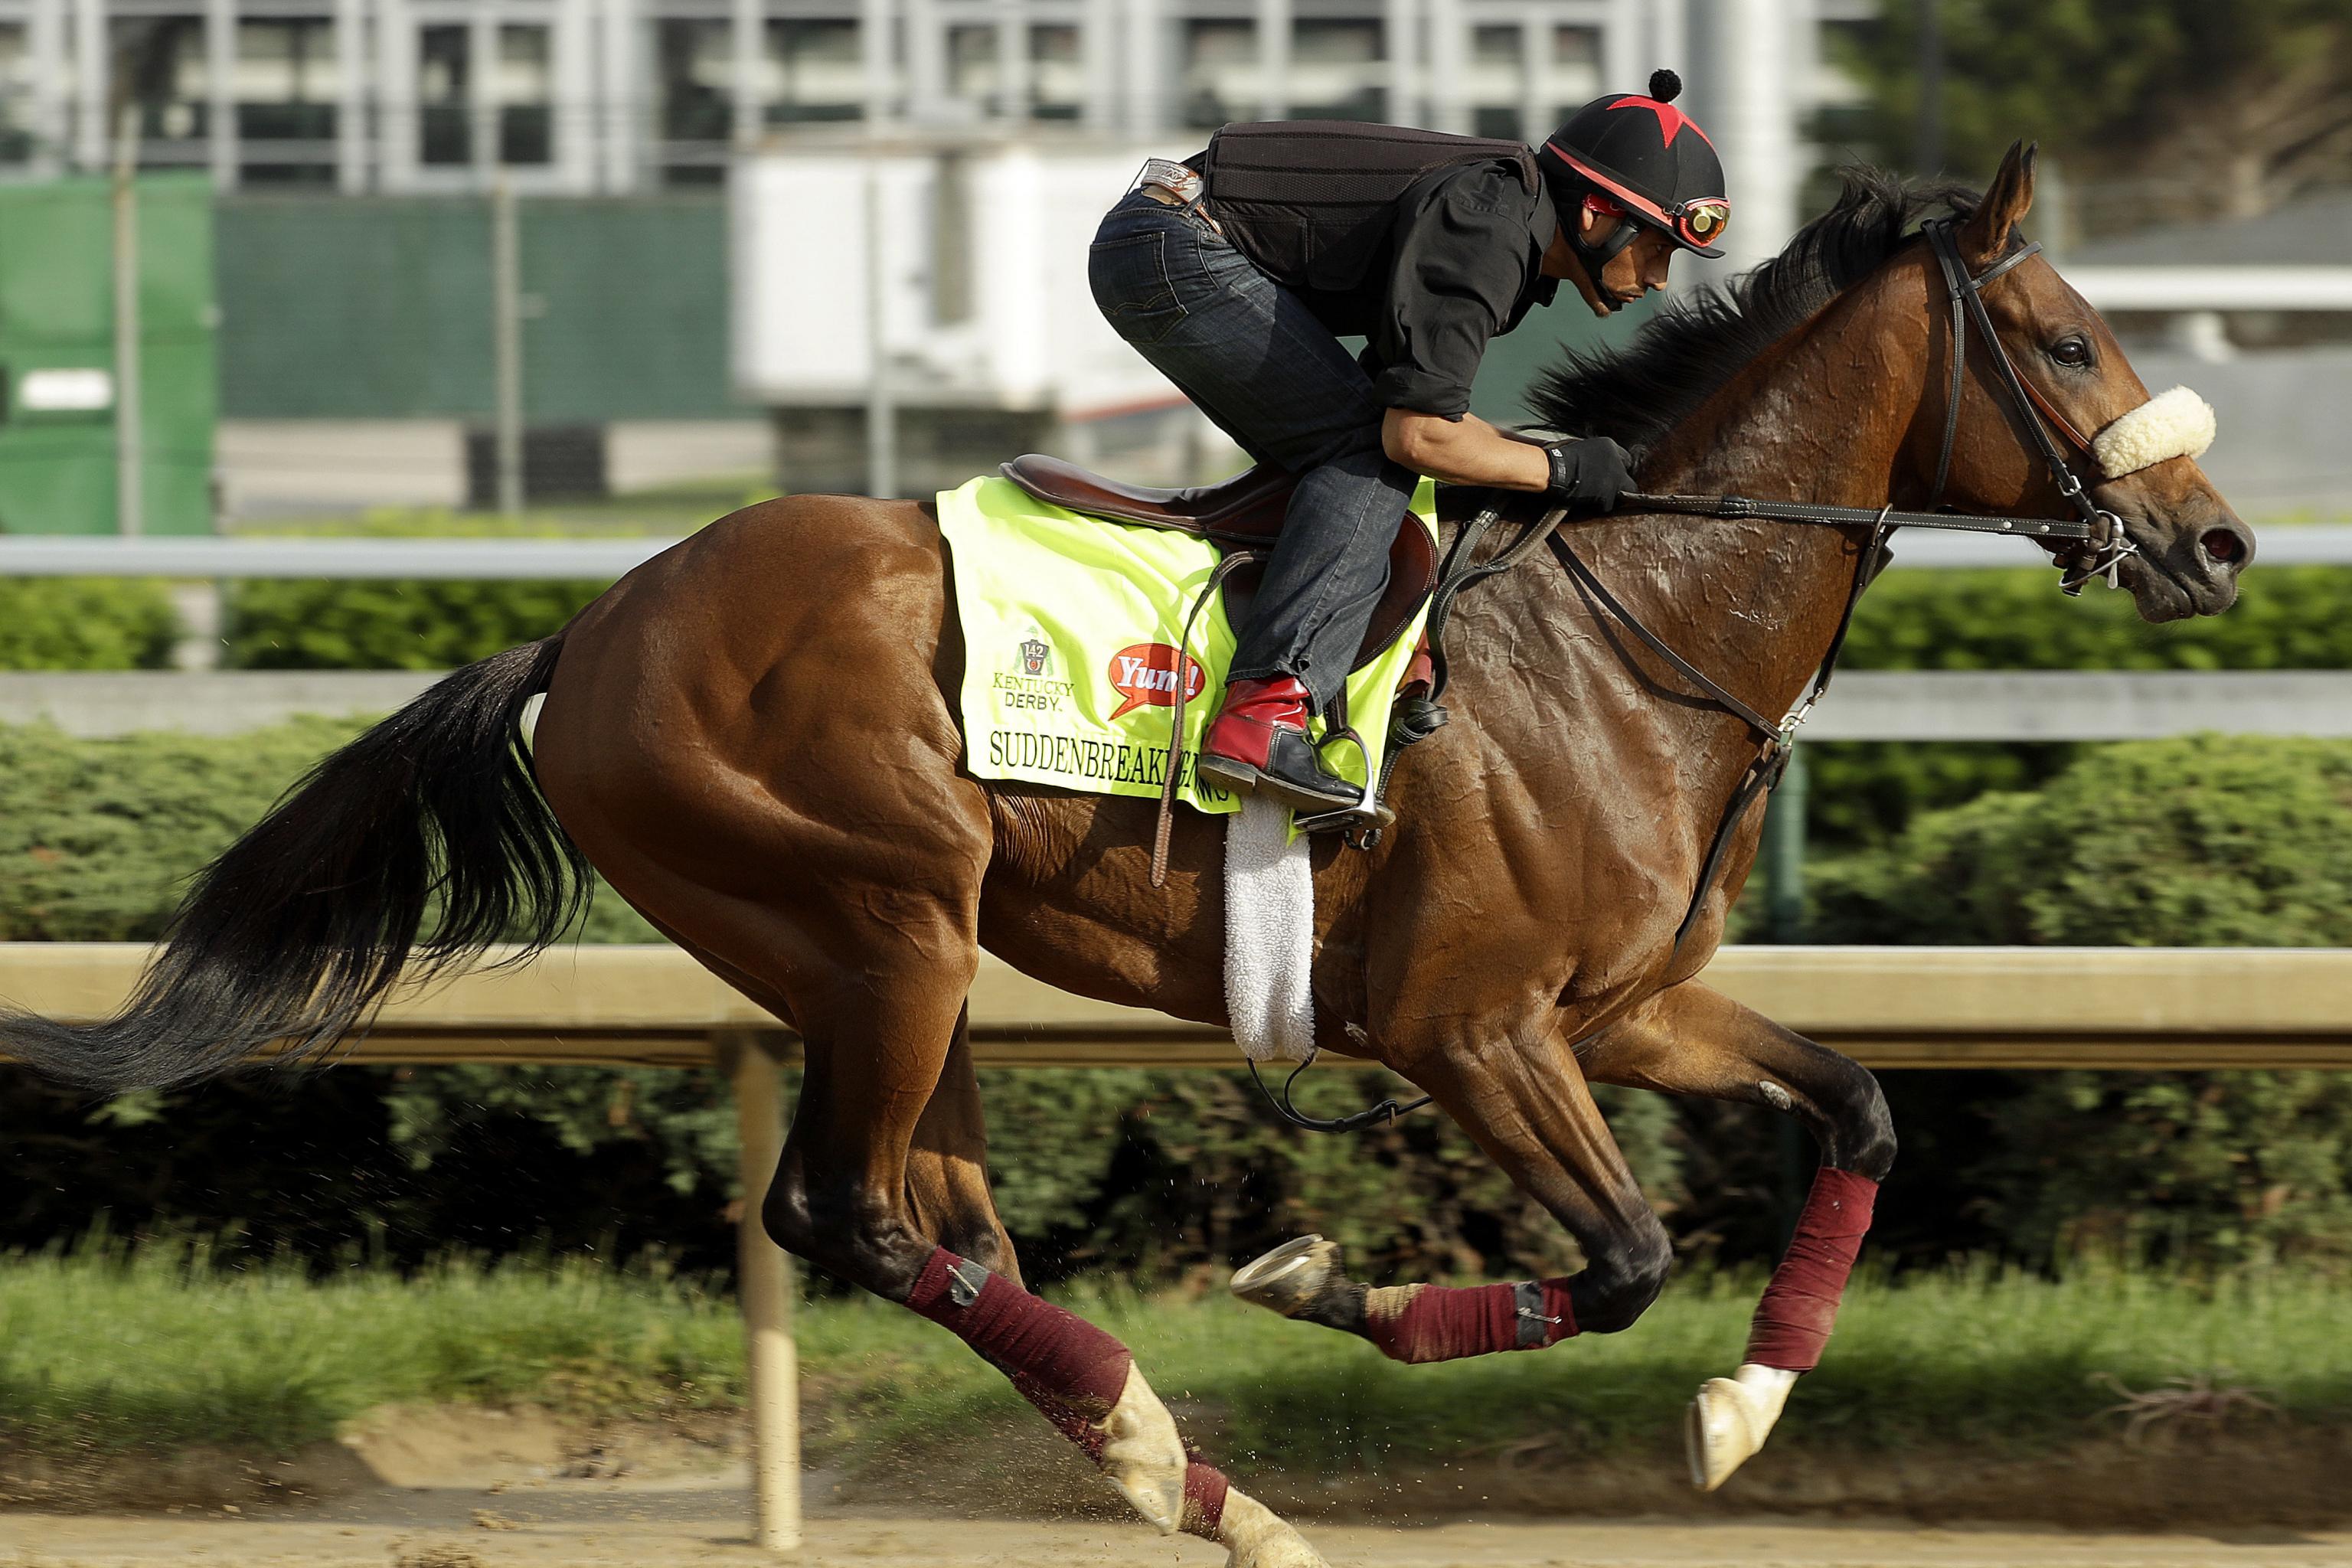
(1821, 415)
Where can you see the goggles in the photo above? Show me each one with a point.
(1699, 222)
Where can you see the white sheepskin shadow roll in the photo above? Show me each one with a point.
(2175, 424)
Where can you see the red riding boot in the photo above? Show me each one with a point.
(1258, 745)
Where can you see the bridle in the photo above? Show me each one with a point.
(2111, 545)
(2101, 529)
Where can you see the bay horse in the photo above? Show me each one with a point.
(753, 737)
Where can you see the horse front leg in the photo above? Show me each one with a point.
(1691, 1039)
(1527, 1105)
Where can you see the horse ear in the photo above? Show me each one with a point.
(1985, 237)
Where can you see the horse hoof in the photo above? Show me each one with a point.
(1727, 1423)
(1292, 1277)
(1143, 1456)
(1253, 1537)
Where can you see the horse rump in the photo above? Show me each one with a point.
(295, 934)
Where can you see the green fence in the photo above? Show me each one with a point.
(376, 309)
(59, 456)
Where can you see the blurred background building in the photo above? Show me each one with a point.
(615, 96)
(652, 325)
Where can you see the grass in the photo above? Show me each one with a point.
(107, 1349)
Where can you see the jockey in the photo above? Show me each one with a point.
(1236, 272)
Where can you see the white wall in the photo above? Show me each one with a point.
(1033, 339)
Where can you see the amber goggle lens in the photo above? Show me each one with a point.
(1705, 220)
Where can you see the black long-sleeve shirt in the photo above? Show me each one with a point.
(1462, 262)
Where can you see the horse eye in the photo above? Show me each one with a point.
(2072, 353)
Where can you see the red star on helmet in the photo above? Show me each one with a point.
(1671, 119)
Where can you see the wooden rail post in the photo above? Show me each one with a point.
(766, 1293)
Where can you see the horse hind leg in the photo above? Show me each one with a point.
(876, 1180)
(865, 942)
(1691, 1039)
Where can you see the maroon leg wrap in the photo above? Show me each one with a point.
(1204, 1500)
(1053, 1357)
(1793, 1320)
(1434, 1323)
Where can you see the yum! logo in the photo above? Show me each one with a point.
(1146, 672)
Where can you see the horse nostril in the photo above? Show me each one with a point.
(2222, 544)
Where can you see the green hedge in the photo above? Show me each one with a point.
(336, 625)
(2210, 841)
(2199, 841)
(302, 625)
(99, 836)
(85, 623)
(2207, 841)
(2286, 617)
(1155, 1170)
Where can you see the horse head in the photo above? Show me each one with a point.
(2135, 454)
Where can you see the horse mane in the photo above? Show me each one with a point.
(1638, 391)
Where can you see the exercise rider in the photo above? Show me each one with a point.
(1236, 272)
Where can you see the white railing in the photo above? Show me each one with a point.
(1862, 705)
(604, 560)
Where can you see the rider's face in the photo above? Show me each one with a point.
(1627, 276)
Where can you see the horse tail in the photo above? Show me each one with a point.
(295, 934)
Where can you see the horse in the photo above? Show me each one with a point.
(753, 737)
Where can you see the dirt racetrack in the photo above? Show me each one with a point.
(671, 1524)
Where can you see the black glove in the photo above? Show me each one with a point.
(1588, 475)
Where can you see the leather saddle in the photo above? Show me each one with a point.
(1243, 512)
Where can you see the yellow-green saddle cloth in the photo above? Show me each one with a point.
(1070, 628)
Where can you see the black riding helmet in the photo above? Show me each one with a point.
(1641, 157)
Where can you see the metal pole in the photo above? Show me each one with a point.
(506, 343)
(765, 1290)
(1759, 127)
(1928, 157)
(1784, 852)
(130, 440)
(881, 413)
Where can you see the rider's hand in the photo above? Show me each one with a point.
(1588, 475)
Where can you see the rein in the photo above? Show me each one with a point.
(2101, 528)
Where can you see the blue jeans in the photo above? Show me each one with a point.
(1252, 356)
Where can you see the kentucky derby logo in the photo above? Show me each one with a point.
(1146, 672)
(1036, 655)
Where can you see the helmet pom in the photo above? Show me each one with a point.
(1664, 85)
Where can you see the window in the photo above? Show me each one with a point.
(287, 79)
(163, 63)
(1336, 72)
(524, 91)
(1498, 121)
(1494, 81)
(284, 88)
(971, 65)
(697, 63)
(444, 119)
(1575, 66)
(1057, 72)
(1220, 80)
(817, 72)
